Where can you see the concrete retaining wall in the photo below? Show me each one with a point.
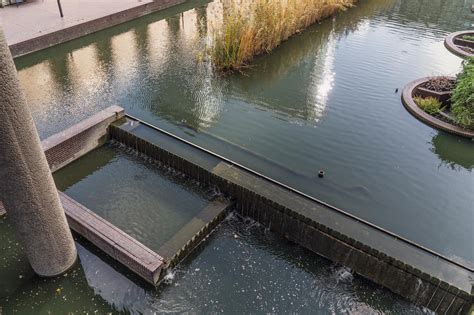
(72, 143)
(441, 287)
(89, 27)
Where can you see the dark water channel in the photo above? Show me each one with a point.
(240, 269)
(148, 203)
(325, 99)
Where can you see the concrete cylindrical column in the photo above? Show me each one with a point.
(27, 189)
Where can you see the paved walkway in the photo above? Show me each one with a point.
(38, 17)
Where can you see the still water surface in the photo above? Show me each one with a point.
(146, 202)
(325, 100)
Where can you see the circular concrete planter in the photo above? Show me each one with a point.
(455, 44)
(414, 88)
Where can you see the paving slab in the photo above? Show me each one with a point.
(37, 24)
(35, 18)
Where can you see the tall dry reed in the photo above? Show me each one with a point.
(253, 28)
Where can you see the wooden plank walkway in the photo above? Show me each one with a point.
(113, 241)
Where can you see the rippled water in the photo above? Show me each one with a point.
(325, 99)
(242, 268)
(148, 203)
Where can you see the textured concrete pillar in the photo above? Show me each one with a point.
(26, 184)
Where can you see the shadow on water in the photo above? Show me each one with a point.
(454, 152)
(241, 266)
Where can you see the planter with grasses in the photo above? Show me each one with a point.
(445, 103)
(256, 27)
(461, 43)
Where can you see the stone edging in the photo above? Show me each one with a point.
(422, 279)
(452, 47)
(410, 105)
(75, 31)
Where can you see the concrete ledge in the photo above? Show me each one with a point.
(88, 27)
(113, 241)
(78, 140)
(186, 239)
(72, 143)
(407, 100)
(450, 44)
(416, 273)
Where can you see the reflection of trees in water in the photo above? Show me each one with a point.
(202, 92)
(207, 93)
(453, 151)
(174, 24)
(201, 20)
(435, 15)
(60, 71)
(141, 40)
(317, 46)
(195, 86)
(104, 54)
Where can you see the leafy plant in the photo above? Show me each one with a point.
(256, 27)
(468, 37)
(462, 99)
(429, 104)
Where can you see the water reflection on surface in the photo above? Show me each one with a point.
(145, 201)
(453, 151)
(325, 99)
(242, 268)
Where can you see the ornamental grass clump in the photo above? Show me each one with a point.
(429, 104)
(257, 27)
(462, 99)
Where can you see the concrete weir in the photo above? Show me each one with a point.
(78, 140)
(422, 276)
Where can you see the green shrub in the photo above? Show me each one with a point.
(468, 37)
(462, 99)
(429, 104)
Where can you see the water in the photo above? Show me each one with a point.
(325, 99)
(242, 268)
(149, 203)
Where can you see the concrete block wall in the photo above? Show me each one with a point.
(403, 279)
(89, 27)
(72, 143)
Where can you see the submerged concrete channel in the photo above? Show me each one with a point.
(73, 143)
(412, 271)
